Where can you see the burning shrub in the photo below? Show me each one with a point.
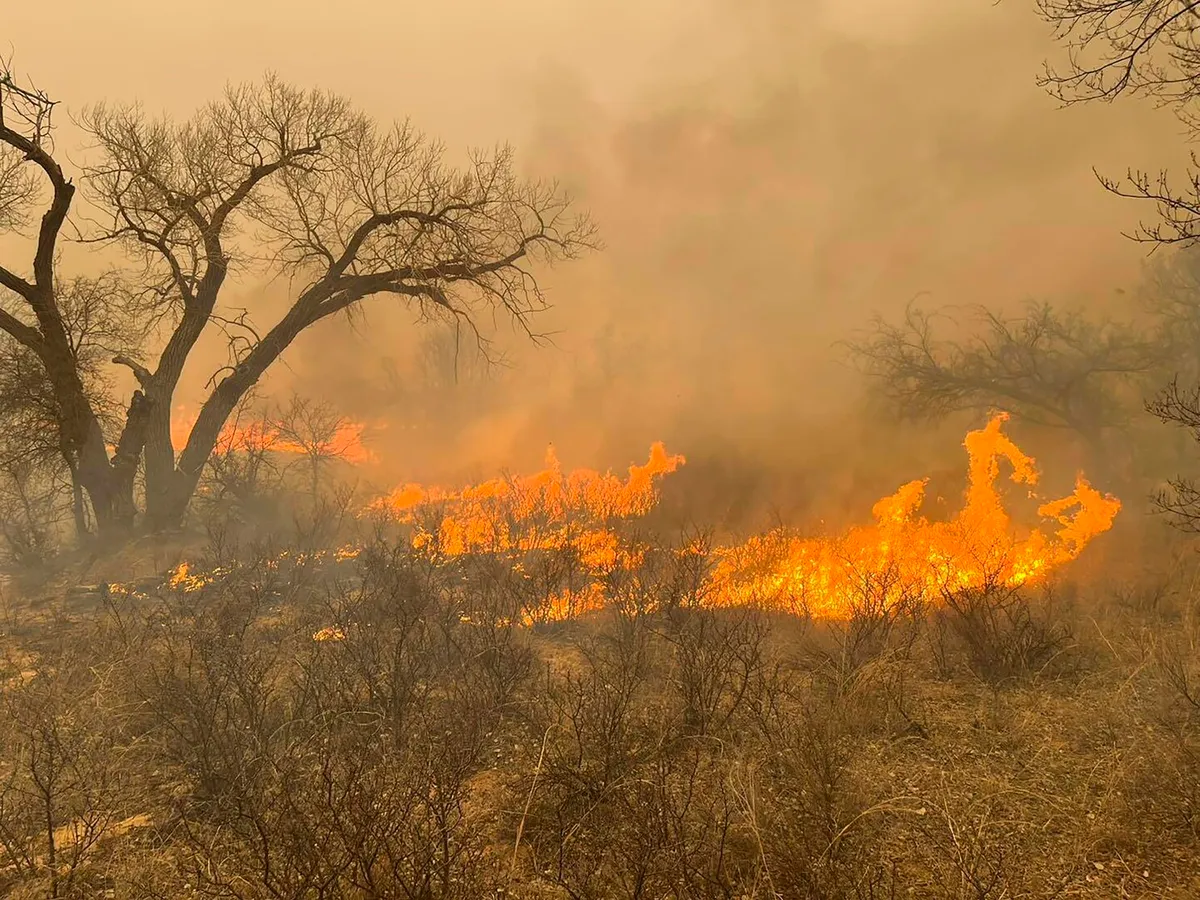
(562, 531)
(882, 622)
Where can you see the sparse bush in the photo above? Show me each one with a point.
(718, 665)
(68, 780)
(32, 516)
(389, 727)
(1172, 777)
(1003, 633)
(817, 824)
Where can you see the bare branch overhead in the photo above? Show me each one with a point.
(1052, 368)
(1117, 46)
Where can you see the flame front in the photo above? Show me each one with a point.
(548, 510)
(901, 555)
(904, 556)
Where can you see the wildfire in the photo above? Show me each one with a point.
(576, 517)
(183, 579)
(905, 556)
(346, 441)
(545, 511)
(901, 555)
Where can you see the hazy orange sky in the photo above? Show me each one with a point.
(765, 174)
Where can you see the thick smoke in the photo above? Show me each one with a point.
(761, 196)
(766, 176)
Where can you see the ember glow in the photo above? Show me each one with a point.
(345, 443)
(900, 556)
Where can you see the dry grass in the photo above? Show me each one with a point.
(684, 753)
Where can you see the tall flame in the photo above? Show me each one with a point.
(903, 555)
(899, 555)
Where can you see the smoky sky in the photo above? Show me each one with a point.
(766, 175)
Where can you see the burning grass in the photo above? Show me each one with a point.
(340, 439)
(584, 511)
(570, 532)
(912, 707)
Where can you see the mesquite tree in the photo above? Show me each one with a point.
(1055, 368)
(1148, 49)
(274, 182)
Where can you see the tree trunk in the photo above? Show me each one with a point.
(166, 507)
(168, 502)
(108, 485)
(110, 490)
(169, 489)
(159, 456)
(111, 498)
(78, 506)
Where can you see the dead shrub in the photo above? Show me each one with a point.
(1001, 632)
(818, 828)
(68, 767)
(719, 665)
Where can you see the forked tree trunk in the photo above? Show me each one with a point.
(171, 483)
(111, 498)
(165, 510)
(169, 489)
(109, 490)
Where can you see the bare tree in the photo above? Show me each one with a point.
(29, 510)
(315, 431)
(1050, 368)
(272, 181)
(100, 318)
(1180, 500)
(1170, 295)
(1146, 48)
(35, 471)
(25, 136)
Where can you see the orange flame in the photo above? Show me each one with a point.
(183, 579)
(546, 510)
(901, 555)
(257, 436)
(904, 556)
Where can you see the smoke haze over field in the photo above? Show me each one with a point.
(765, 175)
